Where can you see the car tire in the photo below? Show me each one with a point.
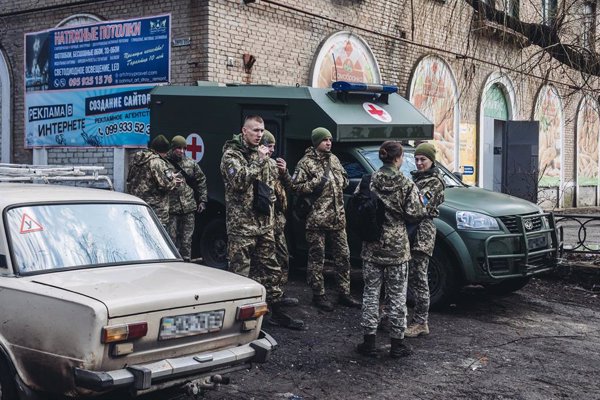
(213, 244)
(508, 286)
(8, 388)
(443, 278)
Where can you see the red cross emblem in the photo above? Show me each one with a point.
(195, 147)
(377, 112)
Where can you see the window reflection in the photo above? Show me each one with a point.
(52, 237)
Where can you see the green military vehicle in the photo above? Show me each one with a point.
(483, 237)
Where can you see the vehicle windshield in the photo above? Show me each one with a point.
(372, 156)
(61, 236)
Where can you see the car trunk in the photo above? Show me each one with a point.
(131, 295)
(133, 289)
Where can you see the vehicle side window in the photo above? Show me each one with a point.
(354, 169)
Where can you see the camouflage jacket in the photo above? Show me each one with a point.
(328, 209)
(283, 183)
(150, 178)
(182, 200)
(401, 200)
(431, 186)
(240, 168)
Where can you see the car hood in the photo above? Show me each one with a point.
(487, 202)
(142, 288)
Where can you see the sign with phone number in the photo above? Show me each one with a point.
(104, 117)
(111, 53)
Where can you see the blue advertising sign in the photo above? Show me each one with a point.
(131, 52)
(89, 85)
(468, 170)
(105, 117)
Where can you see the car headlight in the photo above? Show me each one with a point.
(475, 221)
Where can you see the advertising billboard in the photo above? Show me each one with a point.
(88, 86)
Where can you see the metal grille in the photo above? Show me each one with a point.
(510, 222)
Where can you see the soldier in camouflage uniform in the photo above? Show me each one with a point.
(251, 241)
(182, 201)
(151, 177)
(327, 219)
(428, 180)
(387, 259)
(281, 205)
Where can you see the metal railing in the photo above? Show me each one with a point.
(579, 233)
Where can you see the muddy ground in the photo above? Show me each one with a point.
(542, 342)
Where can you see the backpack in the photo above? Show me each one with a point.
(366, 212)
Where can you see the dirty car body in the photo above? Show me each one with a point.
(95, 298)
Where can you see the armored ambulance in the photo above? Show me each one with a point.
(483, 237)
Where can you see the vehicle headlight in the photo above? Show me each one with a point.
(475, 221)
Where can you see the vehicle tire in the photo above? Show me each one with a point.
(443, 278)
(508, 286)
(8, 388)
(213, 244)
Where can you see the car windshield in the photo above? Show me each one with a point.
(60, 236)
(372, 156)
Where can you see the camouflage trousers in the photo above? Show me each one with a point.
(181, 229)
(254, 257)
(419, 286)
(316, 258)
(282, 255)
(395, 277)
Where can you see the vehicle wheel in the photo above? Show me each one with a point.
(8, 389)
(509, 285)
(213, 244)
(442, 277)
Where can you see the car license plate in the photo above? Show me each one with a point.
(191, 324)
(537, 243)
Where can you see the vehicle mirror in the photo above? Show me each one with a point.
(3, 263)
(459, 175)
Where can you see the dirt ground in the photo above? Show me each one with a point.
(542, 342)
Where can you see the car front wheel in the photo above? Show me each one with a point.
(442, 277)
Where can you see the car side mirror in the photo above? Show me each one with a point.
(459, 175)
(3, 263)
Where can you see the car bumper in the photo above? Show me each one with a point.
(523, 253)
(144, 376)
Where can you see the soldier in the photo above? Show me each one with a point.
(186, 199)
(428, 180)
(320, 174)
(386, 259)
(151, 177)
(249, 179)
(281, 205)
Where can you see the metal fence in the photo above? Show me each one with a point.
(579, 233)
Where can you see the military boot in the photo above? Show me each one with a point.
(282, 318)
(321, 302)
(399, 349)
(415, 330)
(367, 347)
(348, 301)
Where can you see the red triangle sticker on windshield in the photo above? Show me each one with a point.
(29, 225)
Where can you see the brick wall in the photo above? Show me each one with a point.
(284, 36)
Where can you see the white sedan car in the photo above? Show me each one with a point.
(95, 298)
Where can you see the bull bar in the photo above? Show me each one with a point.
(525, 268)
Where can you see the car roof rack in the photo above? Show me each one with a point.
(73, 175)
